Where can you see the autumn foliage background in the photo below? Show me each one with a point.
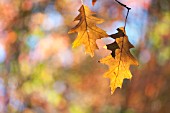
(41, 73)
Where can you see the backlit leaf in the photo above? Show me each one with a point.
(87, 30)
(120, 64)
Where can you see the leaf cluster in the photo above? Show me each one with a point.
(119, 60)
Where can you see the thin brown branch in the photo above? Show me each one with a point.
(126, 18)
(128, 8)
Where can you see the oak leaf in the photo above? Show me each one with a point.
(87, 30)
(120, 64)
(93, 2)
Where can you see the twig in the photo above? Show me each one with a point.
(126, 18)
(123, 5)
(128, 8)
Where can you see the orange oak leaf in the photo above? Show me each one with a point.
(120, 64)
(93, 2)
(87, 30)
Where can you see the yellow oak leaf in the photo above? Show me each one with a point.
(87, 30)
(120, 64)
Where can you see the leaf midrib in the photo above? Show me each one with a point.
(87, 28)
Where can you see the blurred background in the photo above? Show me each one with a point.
(41, 73)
